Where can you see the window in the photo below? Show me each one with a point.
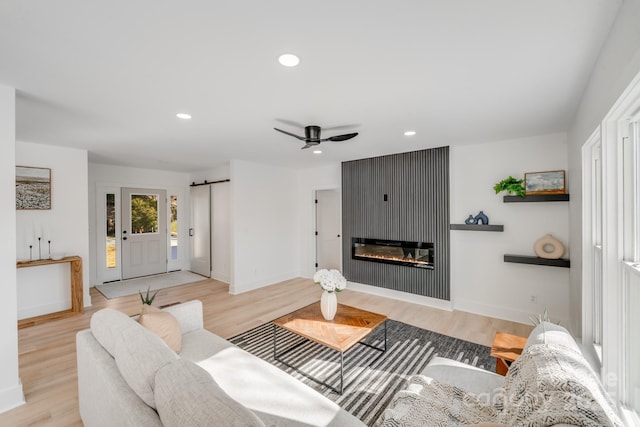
(592, 242)
(611, 249)
(144, 213)
(174, 227)
(111, 231)
(630, 263)
(596, 200)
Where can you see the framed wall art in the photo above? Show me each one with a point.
(550, 182)
(33, 188)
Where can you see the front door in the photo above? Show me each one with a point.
(144, 232)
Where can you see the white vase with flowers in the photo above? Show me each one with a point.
(331, 282)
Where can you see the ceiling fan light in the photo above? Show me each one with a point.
(183, 116)
(289, 60)
(410, 133)
(317, 151)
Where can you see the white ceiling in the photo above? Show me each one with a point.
(109, 76)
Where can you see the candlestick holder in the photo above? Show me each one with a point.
(39, 248)
(30, 252)
(49, 241)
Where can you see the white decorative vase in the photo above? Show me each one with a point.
(328, 305)
(548, 247)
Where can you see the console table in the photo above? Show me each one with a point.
(77, 302)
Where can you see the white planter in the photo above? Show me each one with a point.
(328, 305)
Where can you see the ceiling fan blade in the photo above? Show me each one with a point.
(341, 137)
(290, 123)
(301, 138)
(309, 145)
(340, 127)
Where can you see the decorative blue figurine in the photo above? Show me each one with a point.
(481, 218)
(470, 220)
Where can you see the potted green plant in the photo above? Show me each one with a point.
(541, 317)
(146, 299)
(511, 186)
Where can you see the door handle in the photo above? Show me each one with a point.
(191, 232)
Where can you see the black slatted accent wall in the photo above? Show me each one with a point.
(417, 209)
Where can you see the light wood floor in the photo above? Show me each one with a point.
(47, 352)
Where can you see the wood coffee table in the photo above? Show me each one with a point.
(348, 328)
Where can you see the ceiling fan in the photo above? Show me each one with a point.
(312, 136)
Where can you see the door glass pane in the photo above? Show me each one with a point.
(174, 227)
(111, 230)
(144, 213)
(633, 350)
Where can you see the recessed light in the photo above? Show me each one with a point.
(289, 60)
(410, 133)
(183, 116)
(317, 151)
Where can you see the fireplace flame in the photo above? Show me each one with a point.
(393, 258)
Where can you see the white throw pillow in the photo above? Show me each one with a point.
(139, 353)
(107, 326)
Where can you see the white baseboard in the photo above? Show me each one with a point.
(37, 310)
(224, 278)
(402, 296)
(11, 397)
(499, 312)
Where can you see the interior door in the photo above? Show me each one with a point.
(200, 231)
(328, 240)
(144, 232)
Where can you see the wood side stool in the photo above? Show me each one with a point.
(506, 349)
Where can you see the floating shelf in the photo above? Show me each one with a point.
(537, 198)
(534, 260)
(476, 227)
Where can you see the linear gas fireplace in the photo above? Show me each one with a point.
(410, 254)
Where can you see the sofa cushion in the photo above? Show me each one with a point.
(139, 353)
(201, 344)
(107, 326)
(187, 396)
(550, 333)
(474, 380)
(163, 324)
(274, 396)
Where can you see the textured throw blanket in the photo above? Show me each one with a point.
(429, 403)
(547, 385)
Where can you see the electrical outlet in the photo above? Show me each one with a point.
(533, 299)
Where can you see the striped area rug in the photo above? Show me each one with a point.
(368, 389)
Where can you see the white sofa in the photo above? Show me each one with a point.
(128, 376)
(452, 393)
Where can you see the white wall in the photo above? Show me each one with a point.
(480, 281)
(617, 65)
(10, 387)
(309, 181)
(46, 289)
(217, 173)
(265, 228)
(176, 183)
